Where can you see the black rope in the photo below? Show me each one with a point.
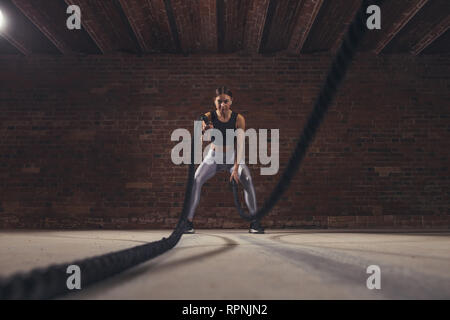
(50, 282)
(335, 76)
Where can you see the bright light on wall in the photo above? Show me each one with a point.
(2, 20)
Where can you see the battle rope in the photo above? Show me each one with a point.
(50, 282)
(335, 76)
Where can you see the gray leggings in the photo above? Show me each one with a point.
(208, 168)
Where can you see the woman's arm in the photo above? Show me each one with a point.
(208, 115)
(204, 125)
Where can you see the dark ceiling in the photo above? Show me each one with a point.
(218, 26)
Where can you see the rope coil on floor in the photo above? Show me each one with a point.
(50, 282)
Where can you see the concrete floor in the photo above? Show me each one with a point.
(232, 264)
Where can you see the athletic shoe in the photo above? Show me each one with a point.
(189, 227)
(255, 227)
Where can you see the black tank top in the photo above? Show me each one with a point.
(223, 126)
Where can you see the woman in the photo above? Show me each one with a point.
(221, 119)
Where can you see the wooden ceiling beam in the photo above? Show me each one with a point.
(40, 22)
(434, 34)
(396, 27)
(17, 43)
(88, 24)
(305, 21)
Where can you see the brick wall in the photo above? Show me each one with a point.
(85, 141)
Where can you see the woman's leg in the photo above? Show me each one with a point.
(249, 191)
(205, 171)
(250, 197)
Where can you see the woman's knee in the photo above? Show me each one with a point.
(198, 182)
(200, 179)
(245, 173)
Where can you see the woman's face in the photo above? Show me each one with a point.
(223, 103)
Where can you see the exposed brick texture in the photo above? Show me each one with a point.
(85, 141)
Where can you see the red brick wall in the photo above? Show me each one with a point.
(85, 141)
